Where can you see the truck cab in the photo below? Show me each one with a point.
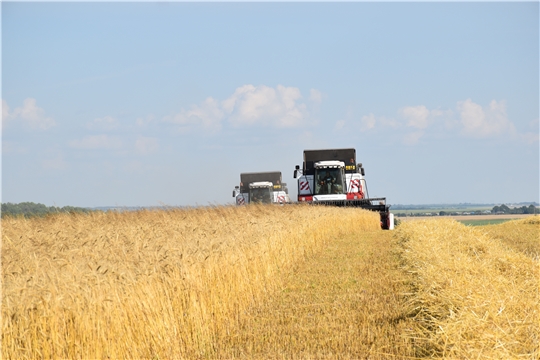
(261, 192)
(329, 180)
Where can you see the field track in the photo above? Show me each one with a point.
(345, 302)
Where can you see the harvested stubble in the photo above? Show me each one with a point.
(522, 235)
(151, 284)
(345, 302)
(474, 296)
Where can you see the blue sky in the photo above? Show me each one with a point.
(142, 103)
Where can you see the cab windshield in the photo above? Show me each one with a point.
(328, 181)
(260, 195)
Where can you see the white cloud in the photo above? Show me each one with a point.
(471, 119)
(263, 105)
(367, 123)
(146, 145)
(96, 142)
(106, 123)
(207, 115)
(417, 116)
(479, 122)
(30, 115)
(249, 105)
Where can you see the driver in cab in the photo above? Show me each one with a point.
(327, 182)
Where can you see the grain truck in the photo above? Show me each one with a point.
(261, 187)
(332, 177)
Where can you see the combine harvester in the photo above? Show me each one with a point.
(332, 177)
(261, 187)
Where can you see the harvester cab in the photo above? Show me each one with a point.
(329, 178)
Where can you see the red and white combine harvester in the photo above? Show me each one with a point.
(332, 177)
(261, 187)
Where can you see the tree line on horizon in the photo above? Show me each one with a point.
(498, 209)
(29, 209)
(503, 209)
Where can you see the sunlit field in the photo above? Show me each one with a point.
(152, 284)
(474, 296)
(260, 282)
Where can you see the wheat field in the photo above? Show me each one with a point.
(151, 284)
(267, 282)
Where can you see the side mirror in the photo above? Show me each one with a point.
(362, 171)
(233, 193)
(295, 173)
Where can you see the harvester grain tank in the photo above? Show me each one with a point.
(332, 177)
(261, 187)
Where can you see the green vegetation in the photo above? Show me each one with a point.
(503, 209)
(29, 209)
(483, 222)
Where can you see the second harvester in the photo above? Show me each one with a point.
(261, 187)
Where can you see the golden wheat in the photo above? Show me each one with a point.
(151, 284)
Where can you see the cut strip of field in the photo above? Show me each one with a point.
(522, 235)
(345, 302)
(474, 296)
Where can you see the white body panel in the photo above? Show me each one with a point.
(305, 185)
(281, 197)
(242, 199)
(356, 185)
